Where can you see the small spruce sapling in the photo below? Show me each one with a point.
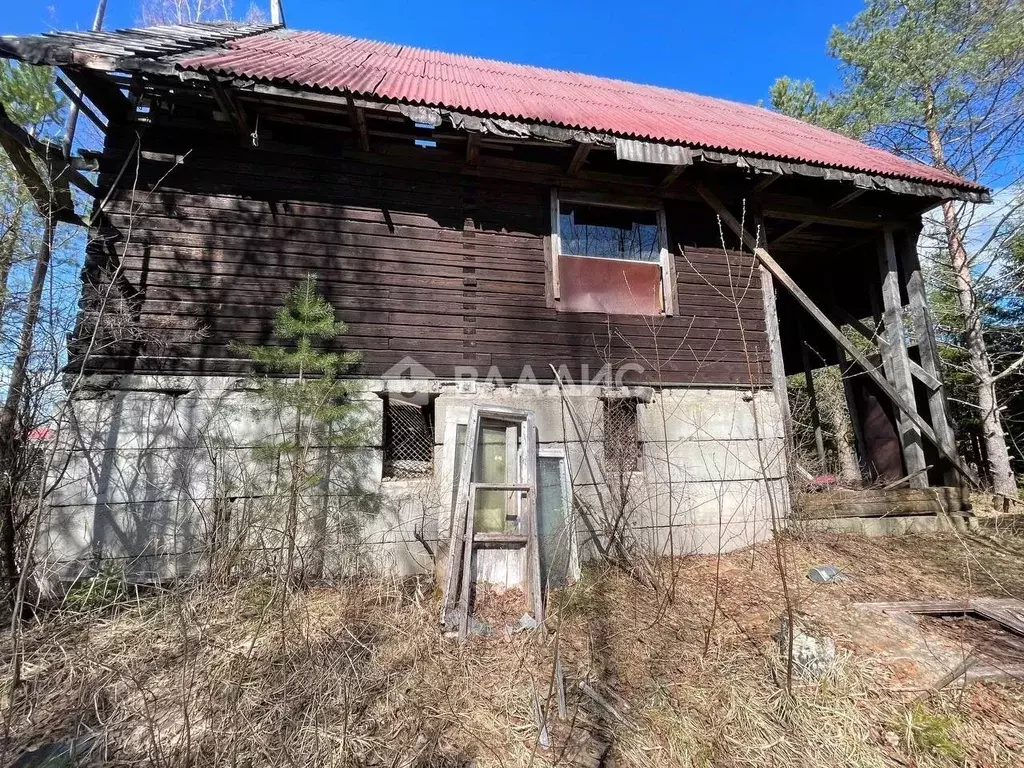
(300, 383)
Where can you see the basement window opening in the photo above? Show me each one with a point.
(623, 448)
(408, 438)
(610, 259)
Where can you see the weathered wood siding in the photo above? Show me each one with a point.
(420, 258)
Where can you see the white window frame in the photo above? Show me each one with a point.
(669, 289)
(570, 524)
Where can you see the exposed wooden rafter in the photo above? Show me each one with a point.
(229, 106)
(764, 183)
(846, 199)
(473, 148)
(52, 199)
(79, 102)
(579, 157)
(102, 92)
(792, 231)
(782, 210)
(671, 176)
(358, 118)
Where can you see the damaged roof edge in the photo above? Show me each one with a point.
(637, 150)
(159, 51)
(103, 49)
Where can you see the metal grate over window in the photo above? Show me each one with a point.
(622, 445)
(408, 439)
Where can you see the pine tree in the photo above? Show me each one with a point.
(301, 384)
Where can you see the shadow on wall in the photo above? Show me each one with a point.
(162, 481)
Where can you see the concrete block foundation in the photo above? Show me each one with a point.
(158, 476)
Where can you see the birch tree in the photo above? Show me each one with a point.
(156, 12)
(940, 82)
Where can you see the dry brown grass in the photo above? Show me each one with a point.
(358, 674)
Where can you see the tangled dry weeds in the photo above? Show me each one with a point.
(357, 674)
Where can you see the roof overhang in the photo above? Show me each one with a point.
(159, 51)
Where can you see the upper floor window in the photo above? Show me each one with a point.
(608, 233)
(610, 258)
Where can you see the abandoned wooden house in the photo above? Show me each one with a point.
(599, 286)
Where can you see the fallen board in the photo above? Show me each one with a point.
(877, 503)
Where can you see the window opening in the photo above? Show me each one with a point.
(609, 233)
(622, 446)
(408, 438)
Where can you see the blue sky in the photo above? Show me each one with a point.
(733, 49)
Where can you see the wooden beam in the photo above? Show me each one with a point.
(778, 363)
(854, 410)
(821, 318)
(229, 106)
(579, 157)
(555, 246)
(23, 164)
(764, 183)
(102, 92)
(924, 330)
(671, 176)
(79, 102)
(846, 199)
(919, 373)
(472, 148)
(791, 212)
(358, 118)
(792, 231)
(897, 361)
(53, 198)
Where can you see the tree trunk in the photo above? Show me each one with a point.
(1004, 481)
(8, 246)
(838, 417)
(13, 404)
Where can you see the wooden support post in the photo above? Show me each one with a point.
(924, 330)
(829, 327)
(472, 148)
(771, 327)
(897, 361)
(819, 438)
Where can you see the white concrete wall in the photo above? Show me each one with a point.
(151, 465)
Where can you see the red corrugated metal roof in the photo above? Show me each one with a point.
(493, 88)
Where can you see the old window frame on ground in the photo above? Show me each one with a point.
(554, 253)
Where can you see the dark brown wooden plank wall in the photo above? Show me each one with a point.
(439, 265)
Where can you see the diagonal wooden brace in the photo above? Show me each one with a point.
(837, 335)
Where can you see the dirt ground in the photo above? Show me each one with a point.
(687, 673)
